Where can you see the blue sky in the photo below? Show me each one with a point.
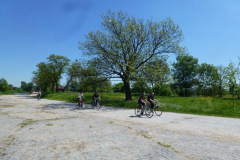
(31, 30)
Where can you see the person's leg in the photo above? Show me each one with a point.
(142, 105)
(152, 106)
(80, 102)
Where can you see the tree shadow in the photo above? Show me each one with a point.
(25, 97)
(61, 105)
(142, 116)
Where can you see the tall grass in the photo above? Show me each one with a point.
(9, 92)
(194, 105)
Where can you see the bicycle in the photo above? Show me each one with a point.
(96, 104)
(157, 109)
(81, 105)
(38, 96)
(146, 109)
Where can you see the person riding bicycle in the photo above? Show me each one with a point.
(95, 98)
(142, 102)
(39, 94)
(80, 97)
(151, 99)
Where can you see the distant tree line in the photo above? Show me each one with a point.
(187, 78)
(5, 87)
(136, 52)
(79, 75)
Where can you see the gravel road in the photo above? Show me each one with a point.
(47, 129)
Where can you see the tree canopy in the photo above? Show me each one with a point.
(185, 71)
(3, 85)
(127, 43)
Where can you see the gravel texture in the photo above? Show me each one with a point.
(47, 129)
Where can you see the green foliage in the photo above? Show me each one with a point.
(3, 85)
(92, 80)
(74, 85)
(49, 74)
(24, 85)
(233, 74)
(163, 89)
(73, 71)
(127, 44)
(118, 87)
(140, 86)
(156, 70)
(208, 78)
(222, 80)
(57, 65)
(42, 77)
(185, 71)
(202, 106)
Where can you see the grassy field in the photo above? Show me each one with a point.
(7, 92)
(194, 105)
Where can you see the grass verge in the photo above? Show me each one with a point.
(211, 106)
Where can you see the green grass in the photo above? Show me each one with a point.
(26, 122)
(212, 106)
(7, 106)
(10, 92)
(164, 145)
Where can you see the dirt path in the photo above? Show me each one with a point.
(46, 129)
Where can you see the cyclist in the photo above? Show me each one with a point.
(151, 99)
(80, 97)
(142, 102)
(39, 94)
(95, 98)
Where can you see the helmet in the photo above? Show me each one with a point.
(143, 94)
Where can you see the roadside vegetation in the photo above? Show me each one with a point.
(9, 92)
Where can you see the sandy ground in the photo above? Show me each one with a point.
(47, 129)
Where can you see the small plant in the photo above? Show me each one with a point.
(7, 106)
(26, 122)
(164, 145)
(110, 122)
(10, 138)
(4, 154)
(146, 136)
(49, 124)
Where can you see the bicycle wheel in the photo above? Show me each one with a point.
(149, 112)
(78, 106)
(83, 105)
(92, 106)
(98, 106)
(158, 110)
(137, 111)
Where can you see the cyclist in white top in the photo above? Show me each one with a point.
(80, 97)
(39, 94)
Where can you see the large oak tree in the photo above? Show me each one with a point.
(125, 44)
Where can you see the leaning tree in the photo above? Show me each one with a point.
(125, 44)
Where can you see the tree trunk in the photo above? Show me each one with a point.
(128, 93)
(56, 87)
(52, 87)
(64, 89)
